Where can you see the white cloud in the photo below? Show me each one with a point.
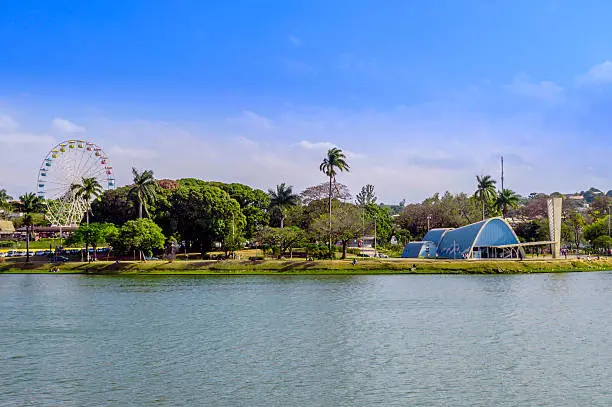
(141, 153)
(295, 41)
(544, 90)
(7, 123)
(22, 139)
(406, 152)
(600, 74)
(246, 141)
(251, 120)
(67, 126)
(323, 145)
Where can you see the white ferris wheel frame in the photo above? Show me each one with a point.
(65, 165)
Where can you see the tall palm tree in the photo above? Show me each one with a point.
(88, 189)
(282, 198)
(507, 198)
(29, 204)
(333, 162)
(144, 189)
(4, 201)
(485, 190)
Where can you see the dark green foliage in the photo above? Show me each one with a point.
(94, 235)
(140, 235)
(203, 215)
(253, 203)
(320, 251)
(114, 206)
(143, 190)
(282, 239)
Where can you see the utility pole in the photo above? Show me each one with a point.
(502, 173)
(428, 219)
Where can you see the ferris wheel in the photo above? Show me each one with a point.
(66, 165)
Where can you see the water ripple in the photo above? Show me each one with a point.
(305, 341)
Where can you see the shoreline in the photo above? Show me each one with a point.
(316, 267)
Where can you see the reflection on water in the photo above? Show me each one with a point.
(305, 341)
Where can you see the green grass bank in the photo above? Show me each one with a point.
(302, 267)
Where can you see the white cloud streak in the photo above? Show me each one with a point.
(544, 90)
(600, 74)
(66, 126)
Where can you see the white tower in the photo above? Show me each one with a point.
(554, 225)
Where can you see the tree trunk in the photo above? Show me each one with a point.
(140, 209)
(27, 243)
(87, 240)
(344, 242)
(282, 219)
(330, 211)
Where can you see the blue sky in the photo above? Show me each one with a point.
(423, 95)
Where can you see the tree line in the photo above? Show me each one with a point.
(153, 215)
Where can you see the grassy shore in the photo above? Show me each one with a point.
(364, 266)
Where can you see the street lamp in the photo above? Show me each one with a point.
(428, 219)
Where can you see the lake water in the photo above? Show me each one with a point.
(306, 341)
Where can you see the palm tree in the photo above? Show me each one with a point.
(29, 203)
(88, 189)
(485, 191)
(335, 160)
(144, 189)
(282, 198)
(4, 201)
(506, 198)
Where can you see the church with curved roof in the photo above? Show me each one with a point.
(490, 238)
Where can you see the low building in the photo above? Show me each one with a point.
(7, 229)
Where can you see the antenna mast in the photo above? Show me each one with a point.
(502, 173)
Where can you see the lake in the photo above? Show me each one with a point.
(392, 340)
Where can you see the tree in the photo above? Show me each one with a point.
(254, 204)
(205, 214)
(535, 208)
(114, 206)
(321, 191)
(485, 190)
(141, 235)
(596, 229)
(5, 199)
(602, 242)
(507, 199)
(88, 189)
(576, 224)
(143, 189)
(29, 204)
(333, 162)
(366, 196)
(383, 224)
(95, 234)
(283, 238)
(345, 224)
(281, 199)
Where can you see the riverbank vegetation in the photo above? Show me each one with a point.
(165, 217)
(303, 266)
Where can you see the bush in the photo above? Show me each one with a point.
(353, 251)
(320, 251)
(9, 244)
